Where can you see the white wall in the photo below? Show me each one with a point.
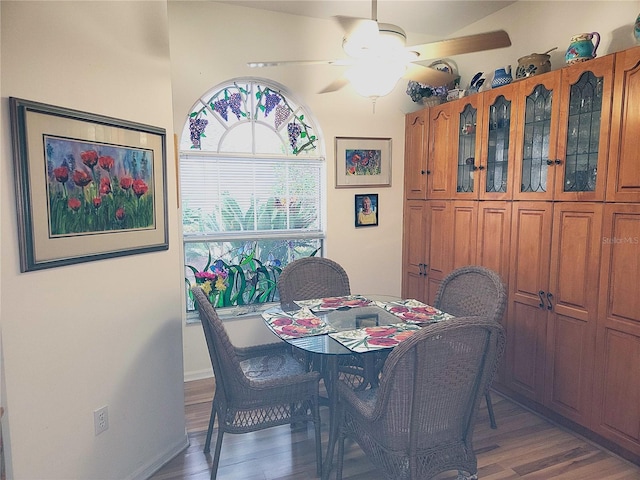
(211, 43)
(107, 332)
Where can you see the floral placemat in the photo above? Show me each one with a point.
(333, 303)
(296, 324)
(413, 311)
(375, 338)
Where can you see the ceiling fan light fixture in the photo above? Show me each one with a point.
(374, 78)
(388, 41)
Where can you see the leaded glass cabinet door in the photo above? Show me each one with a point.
(583, 135)
(536, 151)
(468, 146)
(499, 135)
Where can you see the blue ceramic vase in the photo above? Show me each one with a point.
(502, 76)
(636, 29)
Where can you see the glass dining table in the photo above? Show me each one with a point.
(331, 329)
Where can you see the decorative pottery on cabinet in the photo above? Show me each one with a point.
(582, 47)
(502, 76)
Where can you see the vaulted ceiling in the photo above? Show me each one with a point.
(429, 17)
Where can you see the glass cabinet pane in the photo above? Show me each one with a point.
(466, 149)
(583, 133)
(498, 146)
(535, 149)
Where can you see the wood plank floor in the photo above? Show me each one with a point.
(524, 446)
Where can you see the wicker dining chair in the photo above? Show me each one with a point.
(419, 422)
(256, 387)
(312, 277)
(474, 290)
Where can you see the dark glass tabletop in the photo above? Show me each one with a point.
(342, 319)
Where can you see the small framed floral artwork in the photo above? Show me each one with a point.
(88, 187)
(367, 210)
(363, 162)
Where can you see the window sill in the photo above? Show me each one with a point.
(232, 313)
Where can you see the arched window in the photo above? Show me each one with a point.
(252, 189)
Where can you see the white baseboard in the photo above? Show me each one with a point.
(146, 471)
(198, 375)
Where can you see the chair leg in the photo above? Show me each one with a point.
(212, 418)
(340, 459)
(316, 423)
(216, 455)
(492, 418)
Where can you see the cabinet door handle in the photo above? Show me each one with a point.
(549, 297)
(550, 162)
(428, 172)
(422, 269)
(541, 295)
(481, 167)
(558, 162)
(422, 172)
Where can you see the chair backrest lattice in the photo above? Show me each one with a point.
(472, 290)
(432, 382)
(312, 277)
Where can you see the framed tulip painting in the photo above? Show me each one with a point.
(363, 162)
(88, 187)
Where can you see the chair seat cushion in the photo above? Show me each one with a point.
(271, 367)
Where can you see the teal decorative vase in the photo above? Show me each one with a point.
(636, 29)
(582, 47)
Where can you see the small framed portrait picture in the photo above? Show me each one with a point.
(367, 210)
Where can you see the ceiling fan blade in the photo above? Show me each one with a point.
(427, 75)
(286, 63)
(337, 84)
(459, 45)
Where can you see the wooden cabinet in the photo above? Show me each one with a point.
(415, 250)
(467, 147)
(494, 237)
(498, 134)
(464, 219)
(555, 255)
(528, 278)
(563, 120)
(539, 180)
(623, 178)
(572, 309)
(426, 254)
(415, 151)
(536, 139)
(616, 399)
(439, 165)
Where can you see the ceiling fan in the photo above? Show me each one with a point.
(378, 56)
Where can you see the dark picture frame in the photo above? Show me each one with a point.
(88, 187)
(362, 218)
(363, 162)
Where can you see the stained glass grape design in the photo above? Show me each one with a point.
(282, 113)
(294, 132)
(221, 107)
(270, 103)
(235, 102)
(196, 129)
